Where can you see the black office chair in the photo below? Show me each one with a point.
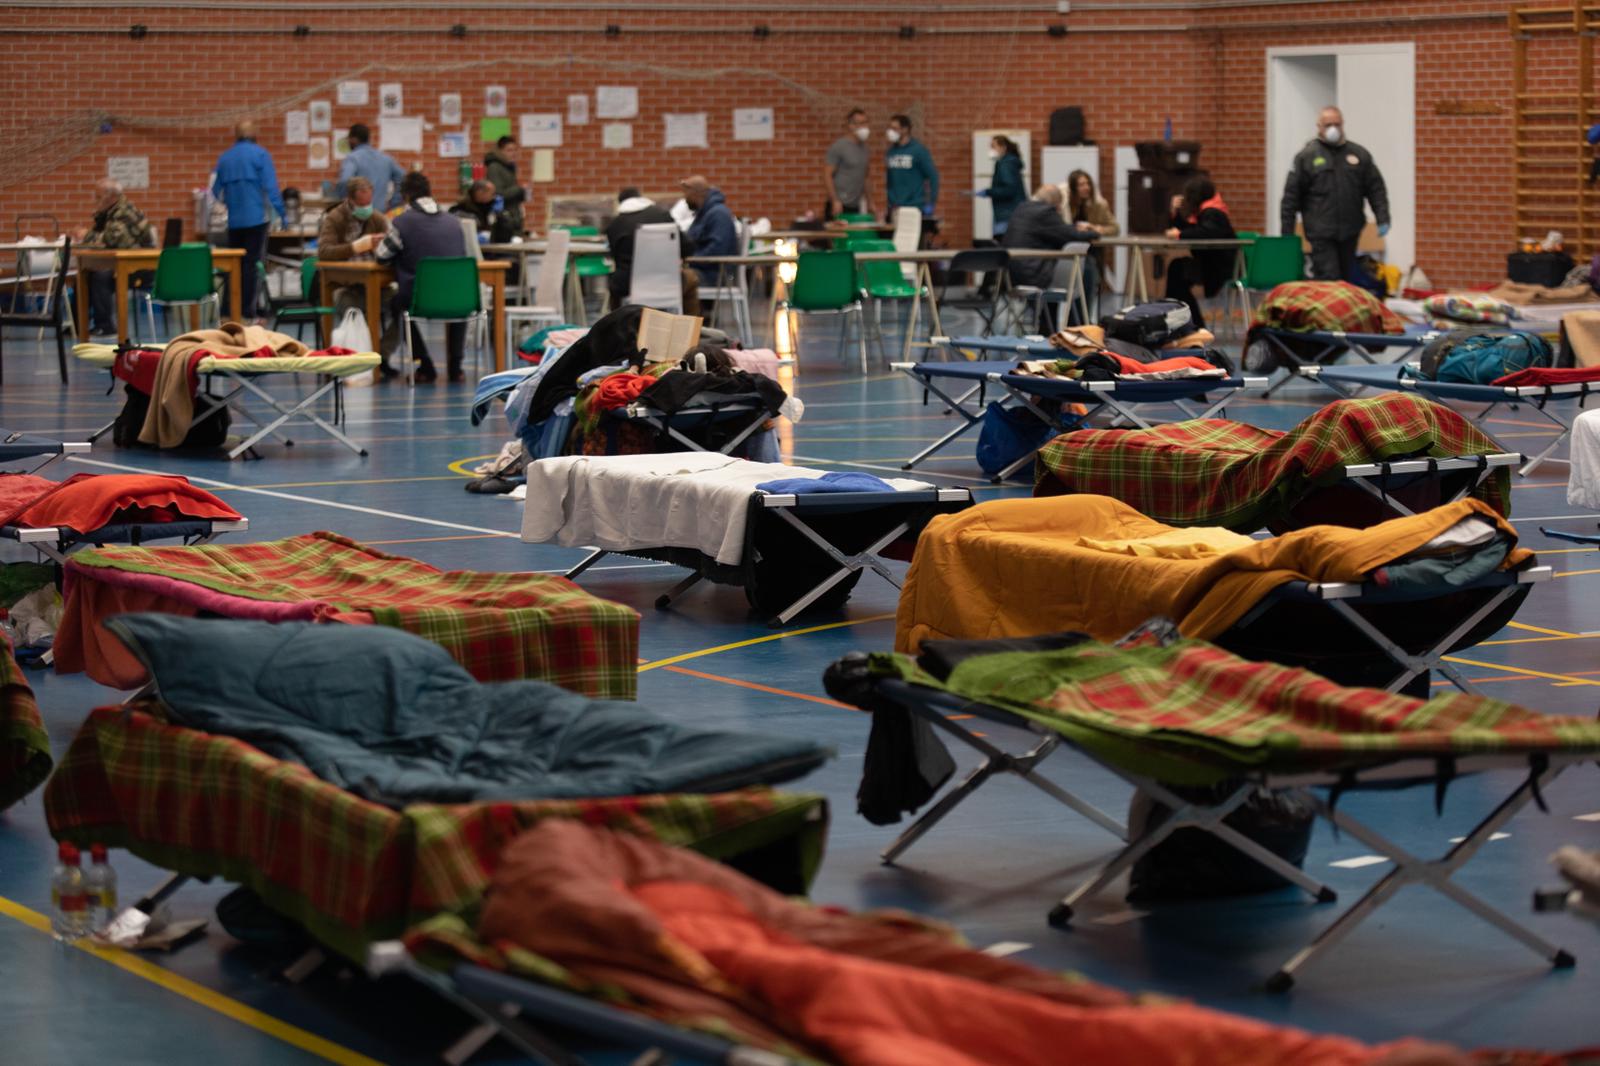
(985, 304)
(50, 315)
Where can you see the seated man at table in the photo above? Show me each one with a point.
(713, 231)
(478, 207)
(422, 231)
(1038, 223)
(634, 211)
(351, 230)
(117, 224)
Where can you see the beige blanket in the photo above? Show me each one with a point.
(1521, 295)
(172, 401)
(1580, 331)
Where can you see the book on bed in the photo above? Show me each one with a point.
(664, 337)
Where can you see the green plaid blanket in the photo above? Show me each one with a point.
(24, 745)
(500, 626)
(351, 871)
(1193, 713)
(1304, 306)
(1218, 473)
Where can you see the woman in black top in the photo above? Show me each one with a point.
(1199, 214)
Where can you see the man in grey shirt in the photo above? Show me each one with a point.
(846, 170)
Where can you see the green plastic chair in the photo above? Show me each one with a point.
(588, 266)
(1269, 262)
(183, 279)
(825, 284)
(299, 312)
(857, 218)
(444, 290)
(880, 280)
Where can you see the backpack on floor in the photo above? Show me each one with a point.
(1483, 358)
(1194, 864)
(1152, 324)
(210, 433)
(1007, 434)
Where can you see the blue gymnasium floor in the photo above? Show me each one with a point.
(1422, 967)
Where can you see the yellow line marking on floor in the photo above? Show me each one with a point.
(352, 481)
(1538, 629)
(1563, 551)
(199, 994)
(1519, 670)
(672, 660)
(758, 687)
(460, 465)
(1575, 573)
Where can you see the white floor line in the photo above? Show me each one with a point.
(1593, 816)
(1359, 861)
(214, 483)
(1492, 836)
(1554, 517)
(1003, 948)
(915, 474)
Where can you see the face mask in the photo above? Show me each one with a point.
(362, 213)
(893, 135)
(863, 132)
(993, 154)
(1333, 135)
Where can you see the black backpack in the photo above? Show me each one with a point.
(208, 433)
(1152, 324)
(1066, 126)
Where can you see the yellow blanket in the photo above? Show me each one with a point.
(1015, 568)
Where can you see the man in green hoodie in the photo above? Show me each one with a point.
(913, 179)
(500, 168)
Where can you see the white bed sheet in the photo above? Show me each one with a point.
(695, 500)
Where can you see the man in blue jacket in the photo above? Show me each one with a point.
(713, 231)
(913, 179)
(377, 167)
(246, 182)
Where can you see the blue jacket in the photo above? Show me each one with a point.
(909, 167)
(377, 167)
(1005, 189)
(713, 232)
(245, 181)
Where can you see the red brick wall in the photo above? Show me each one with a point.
(1128, 68)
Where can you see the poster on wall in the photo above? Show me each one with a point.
(321, 113)
(491, 130)
(341, 143)
(352, 94)
(494, 101)
(684, 130)
(396, 134)
(616, 135)
(540, 131)
(454, 144)
(752, 123)
(296, 127)
(449, 109)
(578, 109)
(544, 165)
(616, 101)
(391, 99)
(129, 171)
(317, 154)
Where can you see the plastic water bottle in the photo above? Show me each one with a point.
(100, 882)
(70, 915)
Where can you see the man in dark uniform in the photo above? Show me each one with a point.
(1327, 184)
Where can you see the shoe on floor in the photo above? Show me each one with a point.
(457, 378)
(425, 375)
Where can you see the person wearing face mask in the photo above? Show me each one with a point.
(845, 173)
(1327, 184)
(352, 228)
(117, 224)
(913, 180)
(1005, 189)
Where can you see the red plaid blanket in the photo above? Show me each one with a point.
(1219, 473)
(500, 626)
(352, 871)
(24, 745)
(1304, 306)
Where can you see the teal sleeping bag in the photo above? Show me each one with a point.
(394, 719)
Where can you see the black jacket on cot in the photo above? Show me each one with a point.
(1036, 224)
(620, 232)
(1326, 186)
(614, 339)
(1216, 264)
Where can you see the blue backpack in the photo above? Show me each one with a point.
(1482, 358)
(1006, 435)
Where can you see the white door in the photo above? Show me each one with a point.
(983, 173)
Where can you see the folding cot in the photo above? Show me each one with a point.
(500, 626)
(240, 376)
(117, 508)
(1406, 377)
(1352, 463)
(1198, 716)
(1379, 607)
(1123, 398)
(15, 446)
(1301, 351)
(702, 511)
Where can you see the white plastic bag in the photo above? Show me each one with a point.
(352, 332)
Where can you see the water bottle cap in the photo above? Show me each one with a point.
(68, 853)
(97, 852)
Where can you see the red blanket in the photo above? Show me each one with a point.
(86, 502)
(1546, 375)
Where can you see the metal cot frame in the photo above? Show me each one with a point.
(56, 542)
(1334, 342)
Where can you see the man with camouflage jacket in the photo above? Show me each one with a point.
(117, 224)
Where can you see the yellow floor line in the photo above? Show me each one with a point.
(686, 656)
(200, 994)
(352, 481)
(460, 465)
(1575, 573)
(1539, 629)
(1519, 670)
